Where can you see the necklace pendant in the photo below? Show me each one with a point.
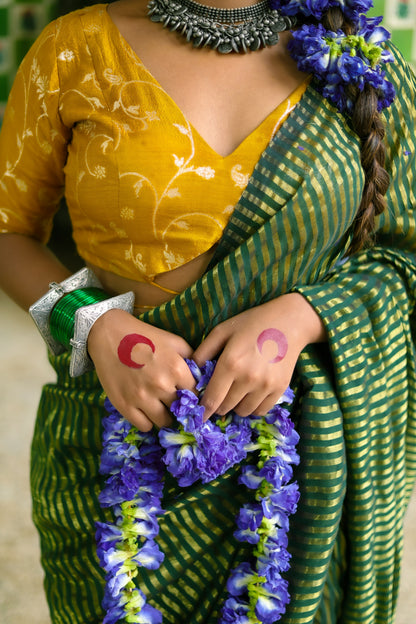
(244, 29)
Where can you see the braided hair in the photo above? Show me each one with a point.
(367, 123)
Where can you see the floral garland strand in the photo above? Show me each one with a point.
(258, 589)
(198, 450)
(133, 490)
(338, 60)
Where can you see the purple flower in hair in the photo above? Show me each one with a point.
(317, 8)
(335, 59)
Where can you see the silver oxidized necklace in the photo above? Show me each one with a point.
(226, 30)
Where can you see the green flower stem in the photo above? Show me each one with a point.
(254, 590)
(354, 44)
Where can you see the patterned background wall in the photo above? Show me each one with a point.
(21, 21)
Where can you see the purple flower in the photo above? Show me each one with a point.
(317, 8)
(274, 514)
(235, 612)
(350, 68)
(107, 535)
(181, 461)
(387, 93)
(368, 27)
(239, 579)
(149, 556)
(116, 583)
(248, 521)
(287, 396)
(250, 477)
(213, 454)
(187, 410)
(201, 375)
(148, 615)
(116, 455)
(239, 433)
(286, 498)
(270, 607)
(273, 561)
(337, 60)
(310, 48)
(194, 368)
(114, 608)
(276, 472)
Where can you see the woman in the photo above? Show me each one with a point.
(154, 139)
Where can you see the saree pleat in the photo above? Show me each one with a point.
(355, 396)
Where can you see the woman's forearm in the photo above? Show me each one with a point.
(26, 268)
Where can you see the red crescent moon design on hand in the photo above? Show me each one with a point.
(276, 336)
(126, 347)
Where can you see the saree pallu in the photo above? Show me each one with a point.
(355, 395)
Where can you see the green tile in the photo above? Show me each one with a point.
(21, 47)
(4, 87)
(4, 22)
(378, 8)
(403, 39)
(28, 1)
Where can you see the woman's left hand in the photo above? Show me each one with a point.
(258, 351)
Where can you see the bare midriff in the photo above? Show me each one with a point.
(164, 286)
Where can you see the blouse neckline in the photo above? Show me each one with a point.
(277, 113)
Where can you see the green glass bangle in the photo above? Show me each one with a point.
(62, 317)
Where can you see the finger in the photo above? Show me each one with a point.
(154, 413)
(216, 391)
(255, 403)
(236, 396)
(265, 407)
(210, 347)
(159, 414)
(138, 419)
(184, 350)
(185, 379)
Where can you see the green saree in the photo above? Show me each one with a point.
(355, 396)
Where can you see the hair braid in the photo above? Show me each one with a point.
(367, 123)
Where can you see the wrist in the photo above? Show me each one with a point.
(308, 321)
(108, 323)
(68, 311)
(304, 322)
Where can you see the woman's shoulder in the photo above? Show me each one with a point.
(86, 20)
(72, 39)
(70, 30)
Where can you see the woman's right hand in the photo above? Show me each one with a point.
(118, 343)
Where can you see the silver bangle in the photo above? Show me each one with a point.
(40, 311)
(85, 318)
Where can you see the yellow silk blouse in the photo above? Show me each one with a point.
(145, 192)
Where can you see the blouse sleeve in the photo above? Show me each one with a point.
(33, 144)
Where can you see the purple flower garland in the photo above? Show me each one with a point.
(335, 59)
(133, 462)
(352, 9)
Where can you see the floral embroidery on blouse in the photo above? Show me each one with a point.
(145, 192)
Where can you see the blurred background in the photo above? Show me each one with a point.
(24, 366)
